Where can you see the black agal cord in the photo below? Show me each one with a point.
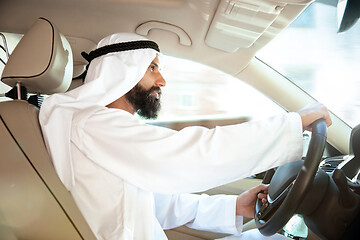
(120, 47)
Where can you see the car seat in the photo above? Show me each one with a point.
(34, 204)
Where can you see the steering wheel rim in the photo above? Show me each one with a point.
(272, 216)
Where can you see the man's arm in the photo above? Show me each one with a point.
(218, 213)
(202, 212)
(191, 160)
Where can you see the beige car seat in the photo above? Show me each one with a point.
(34, 204)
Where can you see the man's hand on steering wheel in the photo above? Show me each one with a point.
(313, 112)
(245, 202)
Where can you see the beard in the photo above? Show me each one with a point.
(145, 102)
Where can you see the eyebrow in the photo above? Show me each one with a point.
(154, 63)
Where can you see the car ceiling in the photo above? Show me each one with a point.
(224, 34)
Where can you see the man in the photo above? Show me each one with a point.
(132, 180)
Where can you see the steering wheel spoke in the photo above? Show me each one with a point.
(267, 209)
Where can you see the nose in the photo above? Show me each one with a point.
(160, 81)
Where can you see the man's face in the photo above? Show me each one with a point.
(145, 96)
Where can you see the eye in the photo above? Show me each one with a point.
(152, 68)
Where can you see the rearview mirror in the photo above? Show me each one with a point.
(348, 12)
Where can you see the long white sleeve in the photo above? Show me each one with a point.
(201, 212)
(194, 159)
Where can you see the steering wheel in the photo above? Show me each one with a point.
(287, 192)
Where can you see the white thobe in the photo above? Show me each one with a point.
(132, 179)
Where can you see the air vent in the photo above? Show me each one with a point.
(330, 164)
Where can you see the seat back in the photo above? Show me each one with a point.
(34, 204)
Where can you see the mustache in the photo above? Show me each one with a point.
(154, 89)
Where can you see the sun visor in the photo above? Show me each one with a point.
(240, 23)
(42, 61)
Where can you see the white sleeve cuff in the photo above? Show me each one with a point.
(218, 214)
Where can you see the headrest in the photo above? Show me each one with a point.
(42, 61)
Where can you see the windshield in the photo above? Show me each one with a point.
(324, 63)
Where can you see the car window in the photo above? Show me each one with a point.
(326, 64)
(11, 40)
(195, 91)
